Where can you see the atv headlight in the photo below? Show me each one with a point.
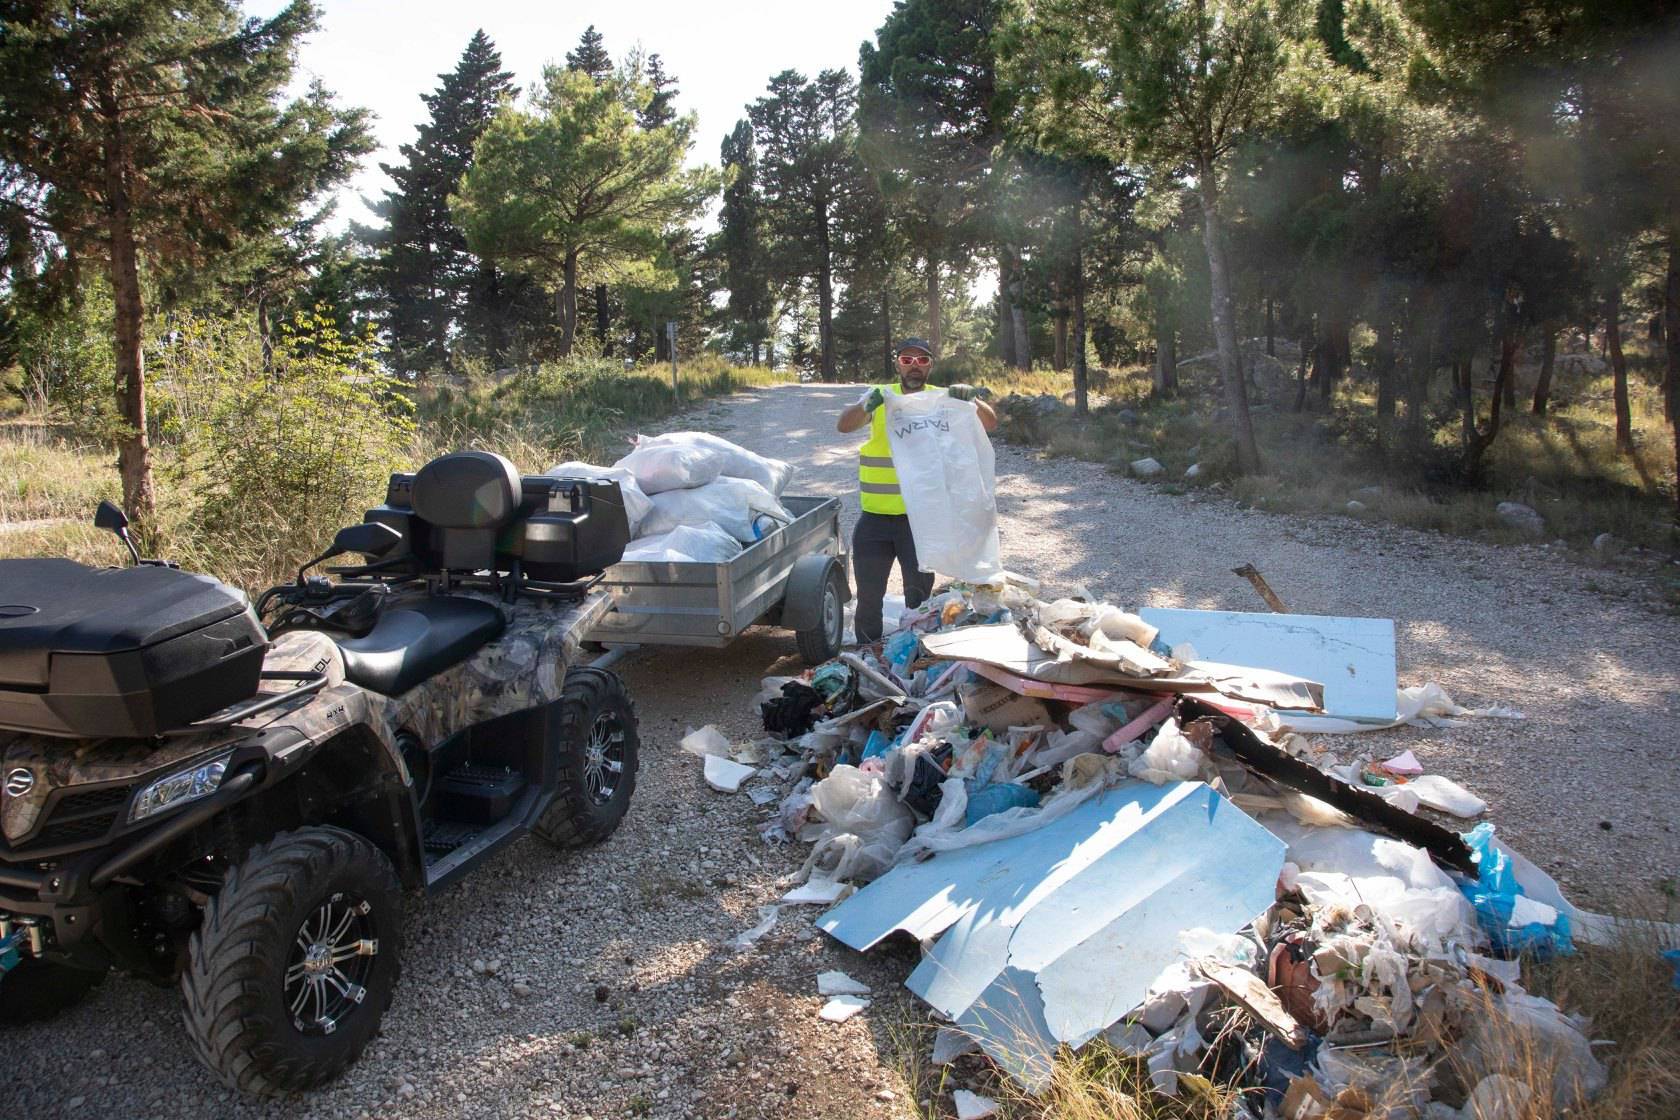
(179, 788)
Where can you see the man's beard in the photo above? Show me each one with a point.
(913, 381)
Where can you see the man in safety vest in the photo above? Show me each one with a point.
(883, 532)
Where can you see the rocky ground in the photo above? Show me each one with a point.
(601, 983)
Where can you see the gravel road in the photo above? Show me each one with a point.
(604, 984)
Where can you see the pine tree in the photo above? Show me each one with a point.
(573, 186)
(661, 108)
(591, 56)
(431, 283)
(152, 136)
(927, 127)
(808, 164)
(741, 244)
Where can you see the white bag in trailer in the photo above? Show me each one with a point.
(731, 503)
(739, 462)
(686, 544)
(659, 467)
(636, 503)
(945, 472)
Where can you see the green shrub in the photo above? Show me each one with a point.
(275, 460)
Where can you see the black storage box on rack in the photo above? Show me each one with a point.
(120, 652)
(565, 528)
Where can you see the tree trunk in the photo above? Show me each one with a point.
(1421, 367)
(1671, 345)
(825, 302)
(603, 320)
(1548, 361)
(1383, 360)
(1166, 354)
(1081, 376)
(1618, 367)
(134, 451)
(1271, 329)
(1005, 318)
(933, 335)
(1225, 326)
(565, 301)
(1023, 341)
(886, 333)
(1058, 358)
(265, 334)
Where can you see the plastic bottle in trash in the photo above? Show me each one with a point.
(763, 525)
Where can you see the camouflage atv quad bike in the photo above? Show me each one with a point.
(237, 798)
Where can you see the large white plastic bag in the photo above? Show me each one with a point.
(732, 504)
(659, 467)
(636, 501)
(739, 462)
(686, 544)
(944, 462)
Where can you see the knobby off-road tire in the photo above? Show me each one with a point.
(596, 755)
(821, 642)
(37, 990)
(305, 896)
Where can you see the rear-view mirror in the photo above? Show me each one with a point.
(110, 516)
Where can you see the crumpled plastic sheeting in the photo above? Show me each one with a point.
(863, 824)
(998, 826)
(1416, 904)
(1523, 1034)
(1170, 757)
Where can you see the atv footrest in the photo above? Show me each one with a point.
(478, 795)
(443, 837)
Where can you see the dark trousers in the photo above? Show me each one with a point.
(877, 541)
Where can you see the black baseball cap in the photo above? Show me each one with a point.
(913, 344)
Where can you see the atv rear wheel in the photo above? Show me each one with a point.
(597, 757)
(295, 962)
(37, 990)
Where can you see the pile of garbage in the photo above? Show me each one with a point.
(693, 496)
(1095, 832)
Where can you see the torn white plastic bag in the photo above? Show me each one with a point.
(945, 464)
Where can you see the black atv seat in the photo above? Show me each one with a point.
(416, 639)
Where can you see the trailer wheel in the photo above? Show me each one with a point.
(820, 641)
(295, 962)
(596, 759)
(37, 990)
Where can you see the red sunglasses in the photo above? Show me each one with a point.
(914, 360)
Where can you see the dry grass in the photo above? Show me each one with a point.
(1625, 995)
(537, 421)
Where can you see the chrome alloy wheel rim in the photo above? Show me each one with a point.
(331, 960)
(603, 759)
(833, 617)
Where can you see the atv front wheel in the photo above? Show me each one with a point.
(37, 990)
(596, 760)
(295, 962)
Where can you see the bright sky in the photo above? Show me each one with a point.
(383, 54)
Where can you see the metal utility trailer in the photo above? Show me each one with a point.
(794, 578)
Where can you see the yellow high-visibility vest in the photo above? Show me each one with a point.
(877, 478)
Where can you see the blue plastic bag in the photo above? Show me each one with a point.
(1672, 956)
(900, 650)
(877, 745)
(1494, 896)
(996, 797)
